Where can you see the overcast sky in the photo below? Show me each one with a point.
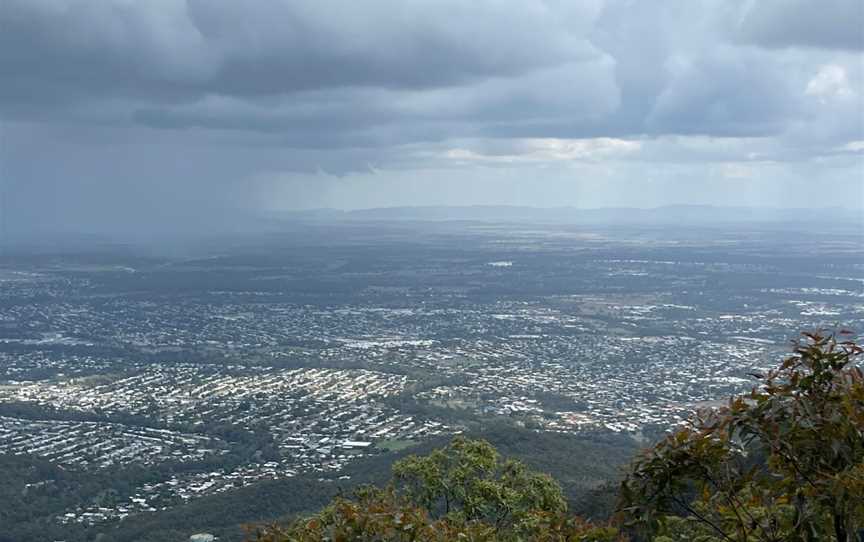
(137, 114)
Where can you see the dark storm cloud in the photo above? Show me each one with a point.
(341, 73)
(381, 72)
(173, 49)
(164, 112)
(374, 117)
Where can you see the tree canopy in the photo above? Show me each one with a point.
(782, 463)
(464, 491)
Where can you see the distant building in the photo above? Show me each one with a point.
(356, 444)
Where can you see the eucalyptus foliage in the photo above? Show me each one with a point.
(784, 462)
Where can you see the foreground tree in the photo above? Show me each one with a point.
(782, 463)
(464, 491)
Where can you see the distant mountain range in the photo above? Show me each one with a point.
(660, 215)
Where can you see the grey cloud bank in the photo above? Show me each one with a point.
(122, 116)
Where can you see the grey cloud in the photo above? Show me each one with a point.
(831, 24)
(580, 92)
(187, 111)
(329, 73)
(174, 48)
(337, 73)
(725, 92)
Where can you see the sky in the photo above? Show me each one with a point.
(162, 115)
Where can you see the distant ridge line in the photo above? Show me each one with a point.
(661, 215)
